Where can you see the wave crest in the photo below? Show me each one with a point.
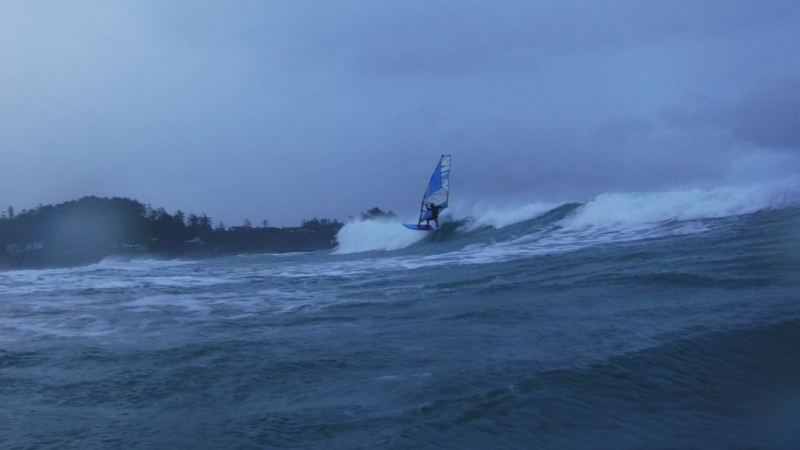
(620, 209)
(375, 234)
(606, 218)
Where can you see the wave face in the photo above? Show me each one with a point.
(639, 320)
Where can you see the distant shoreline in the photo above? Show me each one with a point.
(88, 230)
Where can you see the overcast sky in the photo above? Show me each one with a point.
(284, 110)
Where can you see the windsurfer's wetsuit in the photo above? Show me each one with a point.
(434, 214)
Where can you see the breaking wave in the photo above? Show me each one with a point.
(606, 218)
(375, 234)
(684, 205)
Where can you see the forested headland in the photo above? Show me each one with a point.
(87, 230)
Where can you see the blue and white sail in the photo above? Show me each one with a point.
(437, 193)
(438, 190)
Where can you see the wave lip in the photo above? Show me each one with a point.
(637, 208)
(506, 215)
(375, 234)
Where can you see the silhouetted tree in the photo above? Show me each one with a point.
(193, 222)
(377, 213)
(204, 224)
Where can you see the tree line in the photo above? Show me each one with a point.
(91, 228)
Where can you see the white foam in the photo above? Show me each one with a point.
(499, 216)
(375, 234)
(187, 280)
(638, 208)
(159, 302)
(138, 264)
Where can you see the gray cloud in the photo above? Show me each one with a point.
(765, 115)
(283, 110)
(769, 114)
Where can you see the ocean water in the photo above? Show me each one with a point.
(639, 320)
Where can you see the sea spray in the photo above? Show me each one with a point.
(375, 234)
(637, 208)
(503, 215)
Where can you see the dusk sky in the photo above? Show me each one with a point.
(284, 110)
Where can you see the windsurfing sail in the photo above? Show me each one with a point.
(436, 193)
(438, 190)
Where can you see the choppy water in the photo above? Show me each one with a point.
(635, 321)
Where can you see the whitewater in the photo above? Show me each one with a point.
(634, 320)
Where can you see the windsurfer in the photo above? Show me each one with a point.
(434, 210)
(436, 196)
